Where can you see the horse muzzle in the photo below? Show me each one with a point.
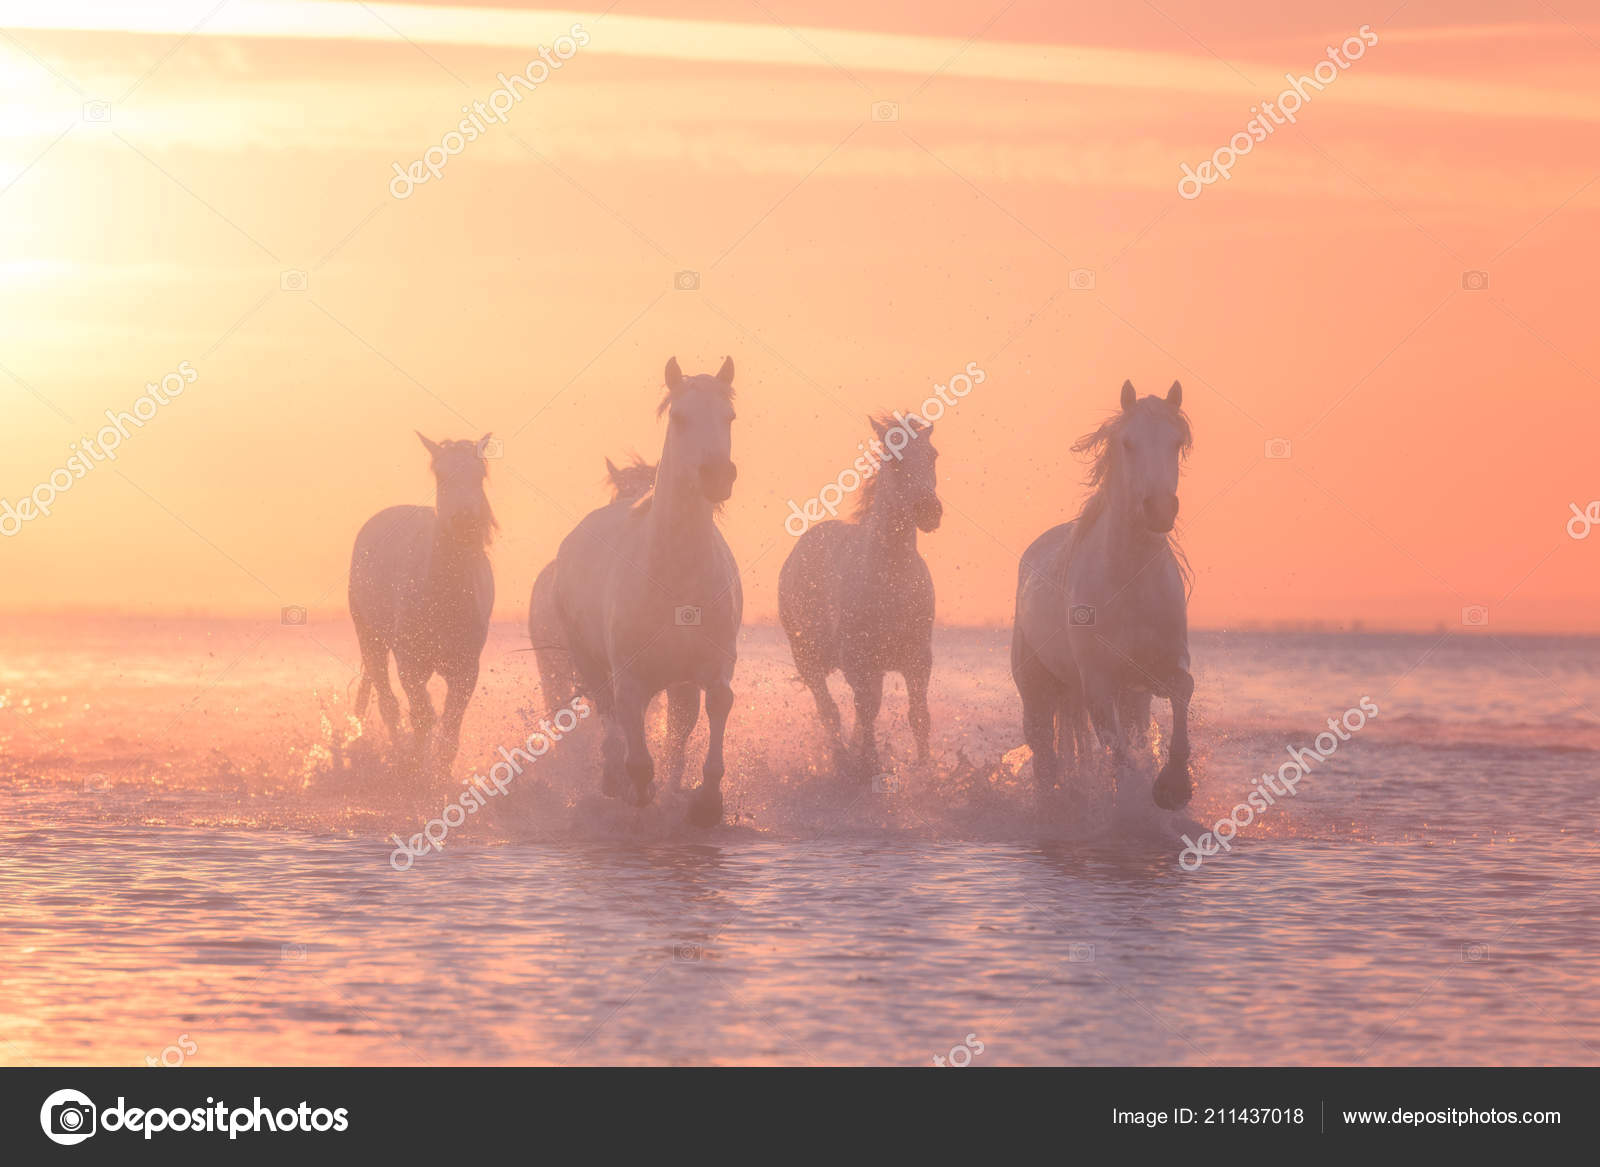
(716, 480)
(1161, 512)
(927, 515)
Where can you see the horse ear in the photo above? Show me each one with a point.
(674, 375)
(725, 374)
(611, 470)
(1129, 397)
(1175, 396)
(878, 427)
(432, 447)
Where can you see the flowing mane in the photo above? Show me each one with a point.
(1100, 449)
(633, 479)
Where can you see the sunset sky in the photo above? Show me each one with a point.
(209, 183)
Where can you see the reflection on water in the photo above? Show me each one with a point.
(196, 844)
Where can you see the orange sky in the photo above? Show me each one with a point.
(1437, 433)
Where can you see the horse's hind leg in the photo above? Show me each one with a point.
(459, 693)
(1042, 695)
(816, 679)
(375, 676)
(414, 680)
(1039, 703)
(595, 675)
(683, 710)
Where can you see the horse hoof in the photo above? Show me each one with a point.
(1173, 789)
(644, 795)
(705, 807)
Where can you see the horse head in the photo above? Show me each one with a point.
(699, 442)
(459, 473)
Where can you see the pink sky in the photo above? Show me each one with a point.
(1437, 433)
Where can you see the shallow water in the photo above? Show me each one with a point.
(197, 866)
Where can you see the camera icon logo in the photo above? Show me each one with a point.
(491, 448)
(97, 111)
(1081, 615)
(96, 784)
(68, 1117)
(1081, 279)
(687, 616)
(1276, 449)
(1474, 616)
(1475, 281)
(294, 616)
(885, 783)
(1474, 953)
(1080, 953)
(295, 952)
(293, 280)
(686, 952)
(687, 281)
(885, 111)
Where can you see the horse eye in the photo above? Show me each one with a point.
(676, 418)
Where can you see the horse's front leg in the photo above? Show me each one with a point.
(916, 677)
(705, 807)
(632, 699)
(461, 684)
(1173, 787)
(868, 690)
(414, 680)
(683, 710)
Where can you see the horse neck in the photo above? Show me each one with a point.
(889, 533)
(453, 562)
(679, 524)
(1129, 544)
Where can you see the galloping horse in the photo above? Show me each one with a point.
(648, 596)
(857, 596)
(1102, 611)
(421, 588)
(558, 682)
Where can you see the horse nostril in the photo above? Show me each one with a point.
(716, 478)
(1161, 511)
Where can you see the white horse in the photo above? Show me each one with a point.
(558, 680)
(858, 596)
(649, 599)
(1102, 612)
(421, 588)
